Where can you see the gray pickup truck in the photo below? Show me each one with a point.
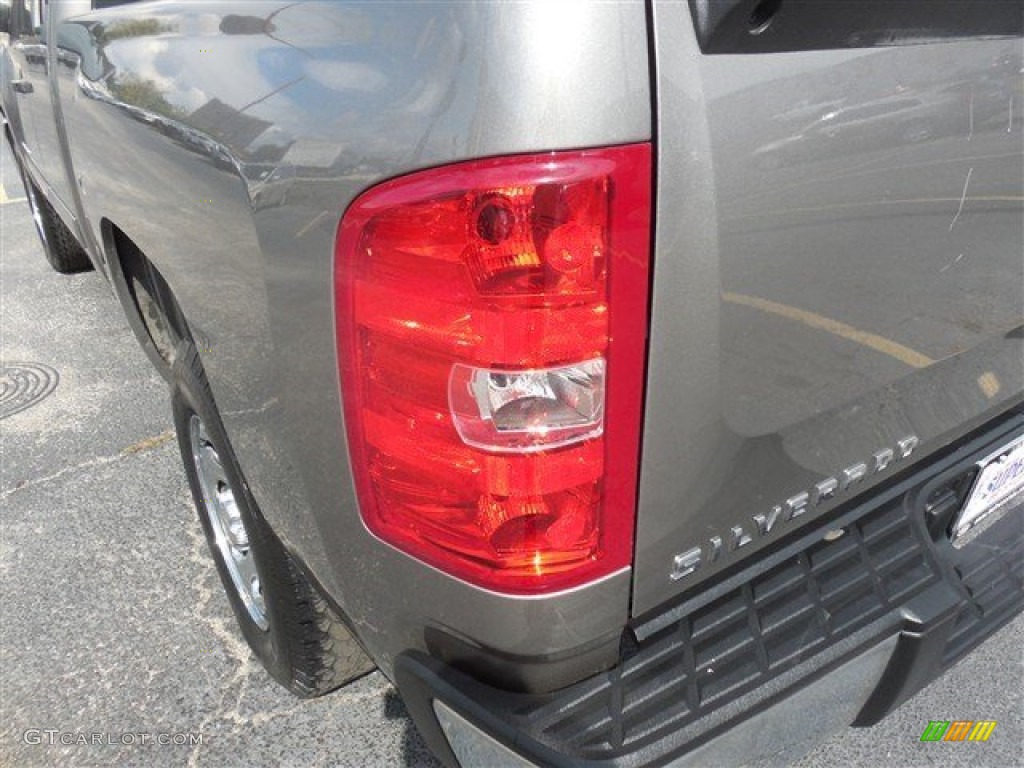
(633, 383)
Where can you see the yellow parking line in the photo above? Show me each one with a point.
(989, 383)
(873, 203)
(4, 199)
(869, 170)
(881, 344)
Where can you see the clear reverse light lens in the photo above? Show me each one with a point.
(524, 411)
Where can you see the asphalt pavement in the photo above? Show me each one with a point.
(117, 645)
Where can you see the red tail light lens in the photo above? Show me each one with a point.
(491, 324)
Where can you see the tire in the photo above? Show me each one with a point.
(60, 246)
(288, 624)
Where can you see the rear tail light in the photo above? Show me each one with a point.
(491, 324)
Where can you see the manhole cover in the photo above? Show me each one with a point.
(22, 385)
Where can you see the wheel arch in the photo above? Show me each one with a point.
(148, 301)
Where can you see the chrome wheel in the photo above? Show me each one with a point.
(229, 531)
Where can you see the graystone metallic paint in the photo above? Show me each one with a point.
(226, 139)
(838, 264)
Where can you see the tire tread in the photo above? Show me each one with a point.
(310, 650)
(63, 251)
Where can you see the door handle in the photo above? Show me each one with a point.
(22, 86)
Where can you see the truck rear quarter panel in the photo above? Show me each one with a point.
(227, 139)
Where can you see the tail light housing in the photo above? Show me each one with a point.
(491, 326)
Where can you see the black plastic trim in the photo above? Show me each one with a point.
(766, 26)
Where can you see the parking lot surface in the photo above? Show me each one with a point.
(114, 630)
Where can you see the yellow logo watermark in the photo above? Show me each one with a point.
(958, 730)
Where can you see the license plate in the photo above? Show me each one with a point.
(1000, 481)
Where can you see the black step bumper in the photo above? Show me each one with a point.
(815, 635)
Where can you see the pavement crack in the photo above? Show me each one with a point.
(223, 629)
(99, 461)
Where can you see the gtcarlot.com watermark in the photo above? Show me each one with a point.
(54, 737)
